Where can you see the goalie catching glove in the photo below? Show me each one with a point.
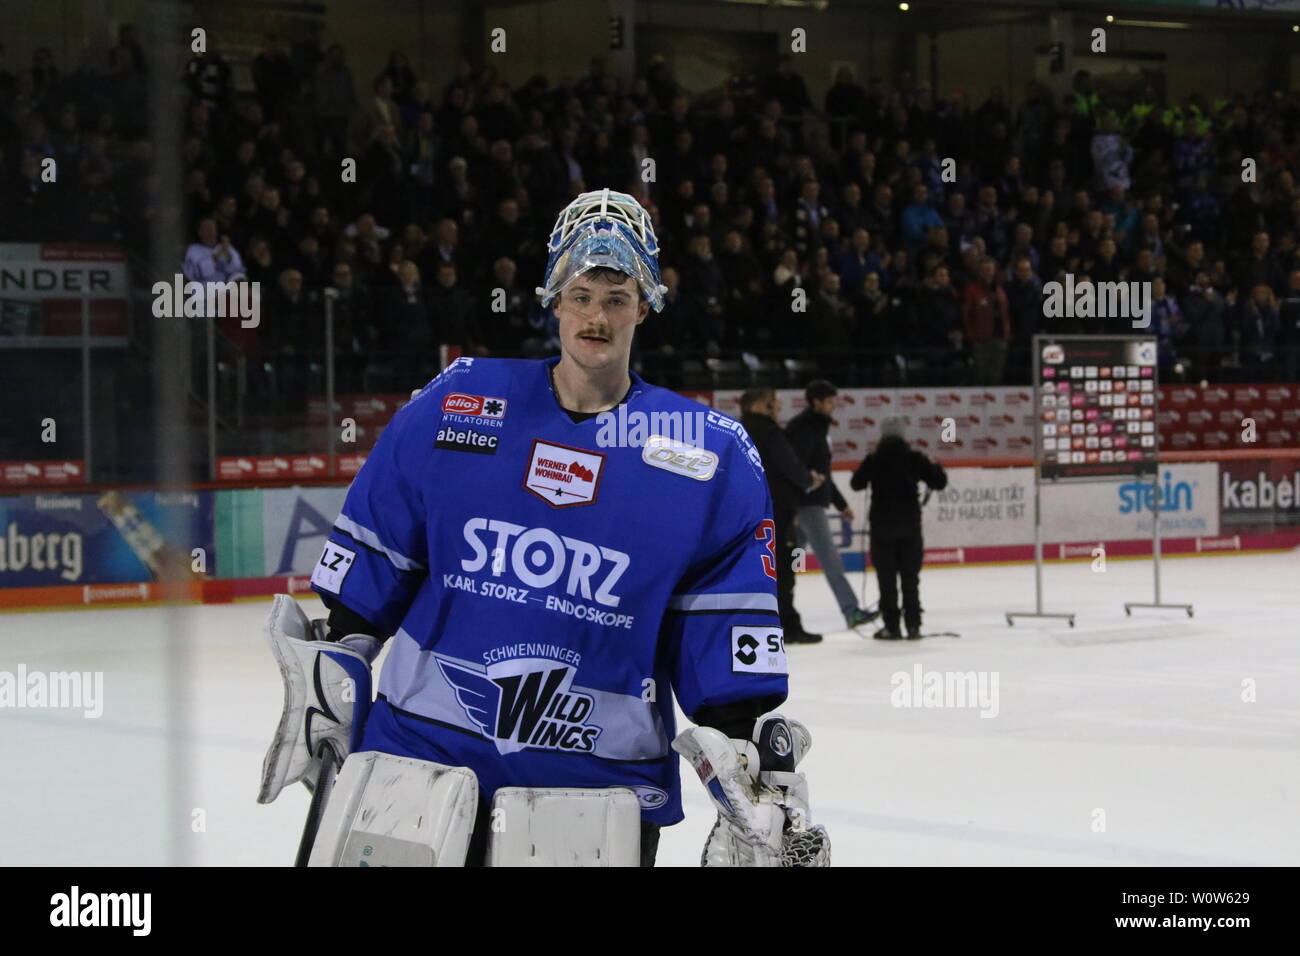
(326, 697)
(762, 800)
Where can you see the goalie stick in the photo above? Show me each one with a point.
(867, 633)
(331, 763)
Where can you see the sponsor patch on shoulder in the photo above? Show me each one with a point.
(480, 406)
(334, 564)
(679, 458)
(757, 650)
(466, 439)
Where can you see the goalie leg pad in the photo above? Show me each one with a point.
(387, 810)
(533, 826)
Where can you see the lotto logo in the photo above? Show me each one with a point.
(460, 403)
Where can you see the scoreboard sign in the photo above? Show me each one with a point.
(1096, 406)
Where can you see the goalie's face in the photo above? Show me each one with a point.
(598, 317)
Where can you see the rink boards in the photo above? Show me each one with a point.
(65, 549)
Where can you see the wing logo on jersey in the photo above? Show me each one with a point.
(563, 476)
(526, 702)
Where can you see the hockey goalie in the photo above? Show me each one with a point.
(548, 583)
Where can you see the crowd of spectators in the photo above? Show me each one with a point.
(91, 122)
(911, 268)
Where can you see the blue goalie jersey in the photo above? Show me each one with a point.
(549, 584)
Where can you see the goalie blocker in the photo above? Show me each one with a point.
(388, 810)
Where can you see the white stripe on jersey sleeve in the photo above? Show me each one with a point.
(723, 602)
(371, 540)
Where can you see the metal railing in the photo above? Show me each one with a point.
(293, 398)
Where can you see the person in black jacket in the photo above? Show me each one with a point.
(893, 471)
(787, 480)
(809, 436)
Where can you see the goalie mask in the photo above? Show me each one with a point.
(603, 229)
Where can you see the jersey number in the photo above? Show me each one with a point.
(766, 532)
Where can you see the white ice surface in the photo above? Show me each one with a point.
(1140, 717)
